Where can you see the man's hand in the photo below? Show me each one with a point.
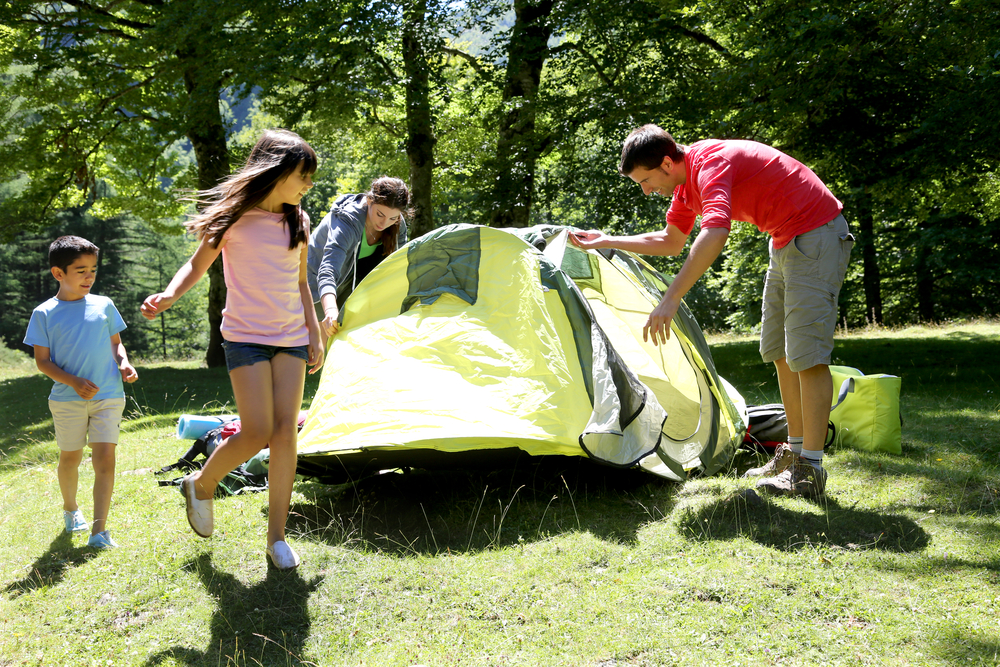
(659, 321)
(591, 240)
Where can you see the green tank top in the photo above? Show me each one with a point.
(364, 250)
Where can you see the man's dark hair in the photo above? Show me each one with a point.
(65, 249)
(646, 147)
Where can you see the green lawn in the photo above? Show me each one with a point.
(556, 562)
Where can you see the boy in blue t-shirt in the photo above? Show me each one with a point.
(76, 341)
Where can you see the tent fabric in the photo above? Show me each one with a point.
(444, 263)
(478, 343)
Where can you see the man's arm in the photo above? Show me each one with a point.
(670, 241)
(706, 248)
(82, 386)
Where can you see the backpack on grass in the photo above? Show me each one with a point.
(245, 478)
(767, 427)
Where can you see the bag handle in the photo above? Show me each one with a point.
(846, 388)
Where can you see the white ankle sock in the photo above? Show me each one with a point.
(815, 458)
(796, 444)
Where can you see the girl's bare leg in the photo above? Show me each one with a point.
(288, 378)
(254, 395)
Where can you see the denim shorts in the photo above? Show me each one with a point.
(248, 354)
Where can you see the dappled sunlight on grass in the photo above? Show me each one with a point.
(553, 561)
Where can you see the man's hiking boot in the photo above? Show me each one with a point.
(802, 479)
(782, 460)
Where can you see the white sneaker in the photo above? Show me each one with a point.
(282, 555)
(199, 512)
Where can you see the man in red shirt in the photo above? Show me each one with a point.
(810, 246)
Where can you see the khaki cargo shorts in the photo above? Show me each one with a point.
(799, 314)
(80, 422)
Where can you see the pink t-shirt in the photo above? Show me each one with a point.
(744, 180)
(263, 302)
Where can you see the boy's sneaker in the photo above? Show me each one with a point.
(802, 479)
(783, 459)
(75, 521)
(199, 512)
(102, 540)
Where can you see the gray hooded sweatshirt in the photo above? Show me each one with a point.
(334, 244)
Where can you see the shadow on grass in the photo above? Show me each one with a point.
(431, 512)
(50, 568)
(771, 523)
(266, 623)
(966, 491)
(25, 419)
(964, 646)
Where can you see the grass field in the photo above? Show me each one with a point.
(556, 562)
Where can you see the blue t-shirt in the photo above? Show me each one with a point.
(78, 335)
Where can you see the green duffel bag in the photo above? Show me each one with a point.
(866, 410)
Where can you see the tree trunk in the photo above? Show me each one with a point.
(925, 284)
(925, 297)
(207, 134)
(869, 259)
(420, 138)
(518, 146)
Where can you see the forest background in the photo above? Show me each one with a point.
(505, 114)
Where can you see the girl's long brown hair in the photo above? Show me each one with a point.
(277, 154)
(391, 192)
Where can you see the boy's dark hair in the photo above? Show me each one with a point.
(65, 249)
(646, 147)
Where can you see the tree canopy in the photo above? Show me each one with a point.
(513, 113)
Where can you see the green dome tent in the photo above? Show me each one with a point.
(473, 345)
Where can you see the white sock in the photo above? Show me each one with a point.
(815, 458)
(795, 442)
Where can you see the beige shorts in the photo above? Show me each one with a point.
(80, 422)
(799, 315)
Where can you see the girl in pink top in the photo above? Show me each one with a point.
(270, 328)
